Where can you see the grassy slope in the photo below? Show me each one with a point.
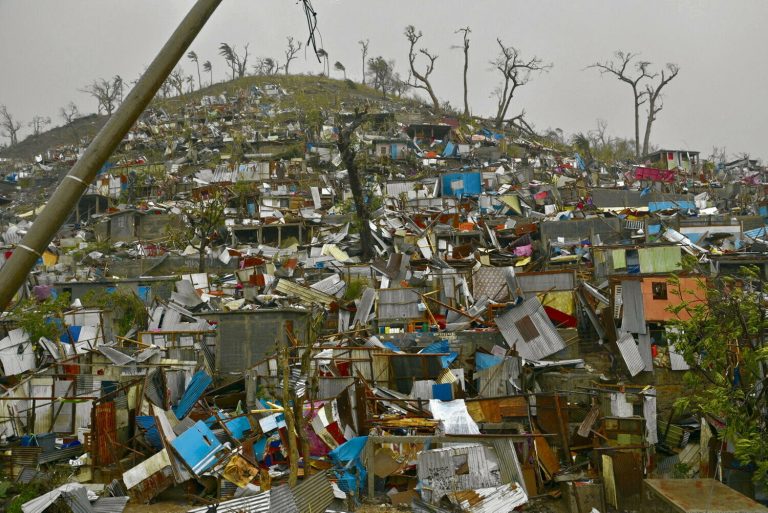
(306, 92)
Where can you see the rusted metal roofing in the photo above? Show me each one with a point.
(528, 328)
(491, 282)
(498, 499)
(550, 281)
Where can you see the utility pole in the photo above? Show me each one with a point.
(72, 187)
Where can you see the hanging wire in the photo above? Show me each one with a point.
(311, 15)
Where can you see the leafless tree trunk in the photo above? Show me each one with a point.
(655, 103)
(516, 72)
(421, 80)
(9, 125)
(106, 93)
(466, 32)
(294, 47)
(348, 154)
(619, 69)
(38, 123)
(290, 421)
(364, 51)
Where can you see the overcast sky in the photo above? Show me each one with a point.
(51, 48)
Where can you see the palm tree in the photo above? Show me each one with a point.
(192, 56)
(340, 67)
(322, 53)
(207, 67)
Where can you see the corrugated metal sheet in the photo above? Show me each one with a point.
(491, 282)
(644, 346)
(115, 356)
(499, 499)
(546, 282)
(194, 391)
(676, 360)
(633, 313)
(499, 380)
(313, 494)
(259, 503)
(399, 304)
(282, 501)
(547, 340)
(649, 413)
(509, 464)
(307, 294)
(110, 504)
(198, 447)
(662, 259)
(436, 470)
(364, 308)
(631, 354)
(331, 387)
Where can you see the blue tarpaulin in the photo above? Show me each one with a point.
(347, 455)
(450, 150)
(442, 391)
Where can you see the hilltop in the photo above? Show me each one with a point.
(306, 93)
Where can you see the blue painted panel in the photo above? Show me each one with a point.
(194, 391)
(471, 186)
(655, 206)
(144, 292)
(147, 423)
(442, 391)
(238, 427)
(198, 447)
(484, 360)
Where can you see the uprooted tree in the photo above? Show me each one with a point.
(346, 145)
(722, 338)
(516, 72)
(420, 79)
(628, 69)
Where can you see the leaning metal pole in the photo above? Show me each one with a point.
(72, 187)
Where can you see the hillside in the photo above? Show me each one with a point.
(86, 126)
(305, 93)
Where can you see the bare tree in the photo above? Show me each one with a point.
(465, 47)
(655, 104)
(416, 79)
(381, 73)
(69, 113)
(340, 67)
(208, 68)
(294, 47)
(237, 62)
(345, 145)
(38, 123)
(364, 51)
(620, 68)
(516, 72)
(176, 81)
(106, 93)
(192, 56)
(9, 125)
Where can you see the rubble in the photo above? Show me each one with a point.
(222, 334)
